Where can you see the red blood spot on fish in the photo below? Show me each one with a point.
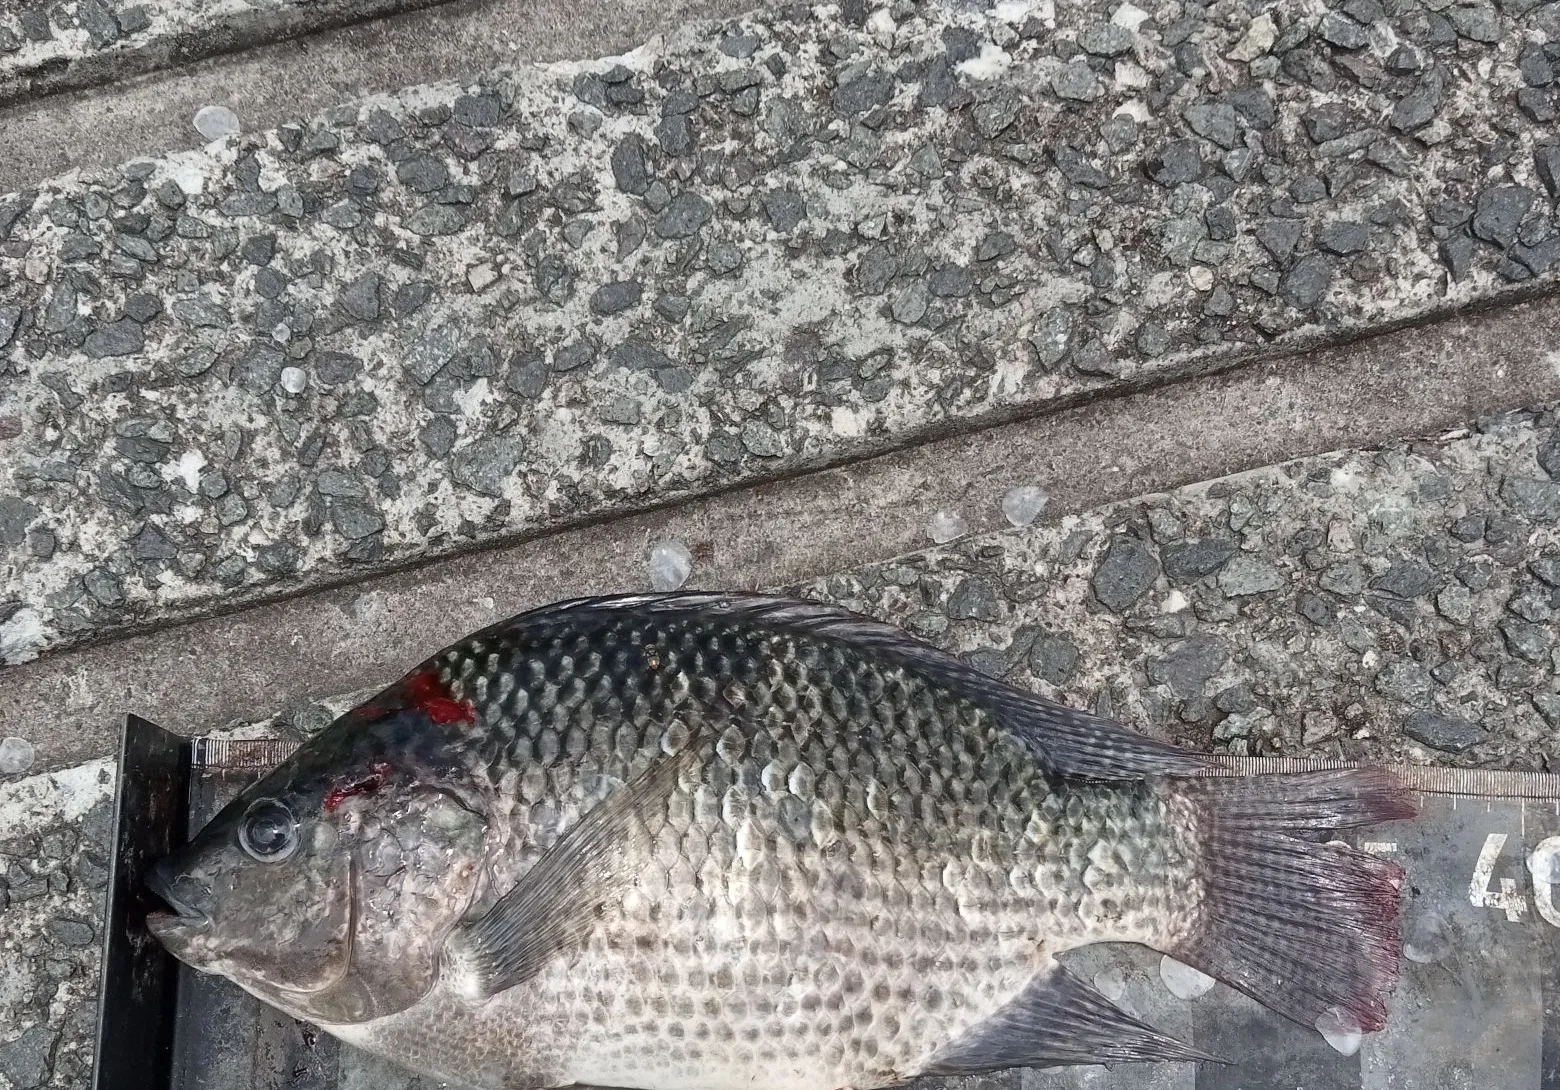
(339, 795)
(445, 710)
(432, 697)
(423, 686)
(366, 786)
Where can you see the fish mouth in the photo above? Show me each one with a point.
(184, 918)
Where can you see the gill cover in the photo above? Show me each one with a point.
(328, 887)
(415, 871)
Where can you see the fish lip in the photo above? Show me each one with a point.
(161, 882)
(168, 927)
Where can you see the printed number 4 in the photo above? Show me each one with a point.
(1483, 894)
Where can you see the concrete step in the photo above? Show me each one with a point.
(267, 81)
(1422, 381)
(462, 316)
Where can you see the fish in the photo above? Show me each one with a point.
(701, 841)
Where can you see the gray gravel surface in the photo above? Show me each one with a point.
(1386, 604)
(55, 833)
(460, 314)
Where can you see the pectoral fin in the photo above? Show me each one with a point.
(555, 904)
(1057, 1019)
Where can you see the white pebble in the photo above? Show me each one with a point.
(1131, 77)
(1022, 505)
(670, 565)
(1428, 939)
(1130, 16)
(215, 122)
(481, 277)
(880, 24)
(294, 379)
(992, 63)
(1111, 983)
(1340, 1029)
(1259, 38)
(16, 756)
(1183, 981)
(946, 526)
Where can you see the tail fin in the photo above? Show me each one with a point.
(1301, 927)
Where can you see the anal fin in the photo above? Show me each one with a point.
(1057, 1019)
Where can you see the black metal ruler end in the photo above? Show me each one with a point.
(139, 986)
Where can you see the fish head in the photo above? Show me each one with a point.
(328, 887)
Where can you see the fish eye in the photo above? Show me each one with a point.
(269, 832)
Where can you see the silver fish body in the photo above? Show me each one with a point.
(693, 841)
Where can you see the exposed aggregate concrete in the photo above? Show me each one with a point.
(55, 832)
(1396, 605)
(434, 320)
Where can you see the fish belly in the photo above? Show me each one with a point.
(858, 1010)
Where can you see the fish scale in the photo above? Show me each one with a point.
(697, 842)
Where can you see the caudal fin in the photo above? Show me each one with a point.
(1302, 927)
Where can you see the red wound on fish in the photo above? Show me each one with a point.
(366, 786)
(432, 697)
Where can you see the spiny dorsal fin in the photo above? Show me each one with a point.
(1063, 739)
(1057, 1019)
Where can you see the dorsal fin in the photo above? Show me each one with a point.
(1063, 739)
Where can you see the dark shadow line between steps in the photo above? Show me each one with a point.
(240, 34)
